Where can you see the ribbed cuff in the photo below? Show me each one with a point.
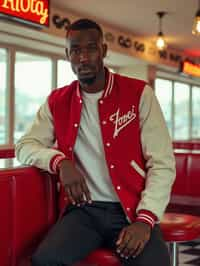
(147, 217)
(55, 161)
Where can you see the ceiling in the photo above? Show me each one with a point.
(139, 17)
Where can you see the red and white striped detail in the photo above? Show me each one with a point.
(55, 162)
(110, 84)
(78, 90)
(146, 217)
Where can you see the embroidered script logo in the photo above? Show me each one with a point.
(123, 120)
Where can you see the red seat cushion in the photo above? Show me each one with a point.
(180, 227)
(101, 257)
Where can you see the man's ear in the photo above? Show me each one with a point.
(67, 53)
(105, 49)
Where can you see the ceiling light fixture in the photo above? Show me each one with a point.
(160, 42)
(196, 23)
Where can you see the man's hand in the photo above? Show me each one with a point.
(132, 239)
(74, 183)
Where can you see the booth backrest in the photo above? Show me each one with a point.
(190, 145)
(7, 153)
(180, 184)
(28, 208)
(187, 181)
(185, 197)
(193, 175)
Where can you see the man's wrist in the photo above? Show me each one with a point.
(147, 217)
(55, 162)
(60, 163)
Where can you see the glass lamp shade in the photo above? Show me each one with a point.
(196, 24)
(160, 42)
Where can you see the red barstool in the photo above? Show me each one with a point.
(178, 228)
(101, 257)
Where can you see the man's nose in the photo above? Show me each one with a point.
(84, 56)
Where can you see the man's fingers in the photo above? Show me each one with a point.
(137, 250)
(86, 191)
(69, 194)
(74, 193)
(125, 247)
(120, 238)
(79, 194)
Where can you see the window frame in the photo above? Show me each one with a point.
(190, 83)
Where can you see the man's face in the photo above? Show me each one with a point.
(85, 51)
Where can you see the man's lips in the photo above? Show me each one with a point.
(85, 70)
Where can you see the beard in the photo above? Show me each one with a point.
(87, 81)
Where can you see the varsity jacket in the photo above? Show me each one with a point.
(142, 192)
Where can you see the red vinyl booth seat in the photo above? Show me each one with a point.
(28, 209)
(28, 203)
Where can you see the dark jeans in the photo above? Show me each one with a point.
(84, 229)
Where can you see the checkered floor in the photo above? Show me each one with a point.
(189, 254)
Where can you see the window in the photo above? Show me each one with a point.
(181, 111)
(3, 85)
(65, 74)
(33, 82)
(195, 112)
(180, 103)
(31, 79)
(164, 94)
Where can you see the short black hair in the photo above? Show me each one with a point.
(84, 24)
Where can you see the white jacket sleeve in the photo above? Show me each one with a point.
(36, 146)
(158, 153)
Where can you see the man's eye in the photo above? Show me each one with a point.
(75, 51)
(92, 48)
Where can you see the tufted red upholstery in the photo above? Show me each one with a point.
(27, 204)
(185, 196)
(28, 208)
(180, 184)
(193, 173)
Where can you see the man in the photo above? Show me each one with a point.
(113, 156)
